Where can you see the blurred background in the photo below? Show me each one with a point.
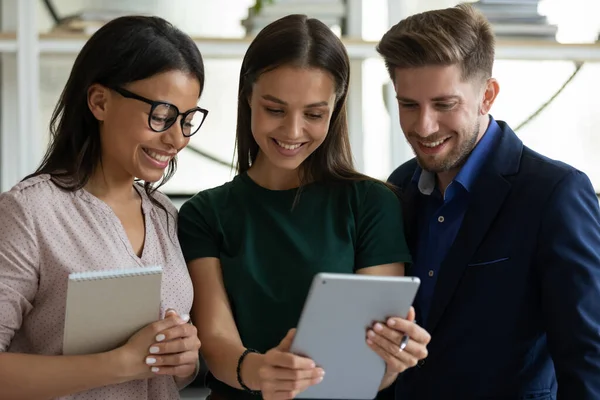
(548, 65)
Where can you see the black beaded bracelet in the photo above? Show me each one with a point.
(239, 371)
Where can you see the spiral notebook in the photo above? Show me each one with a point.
(104, 308)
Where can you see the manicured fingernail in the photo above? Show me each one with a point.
(154, 350)
(322, 372)
(371, 333)
(319, 379)
(391, 322)
(185, 318)
(155, 369)
(160, 337)
(378, 327)
(369, 342)
(150, 360)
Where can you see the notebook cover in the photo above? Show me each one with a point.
(105, 308)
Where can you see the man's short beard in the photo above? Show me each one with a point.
(457, 158)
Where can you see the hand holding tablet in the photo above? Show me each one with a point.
(285, 375)
(339, 312)
(400, 342)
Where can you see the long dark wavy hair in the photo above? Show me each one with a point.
(304, 42)
(124, 50)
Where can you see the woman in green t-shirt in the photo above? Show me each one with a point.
(297, 207)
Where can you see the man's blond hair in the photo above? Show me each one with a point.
(460, 35)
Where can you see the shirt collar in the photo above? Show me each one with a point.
(426, 181)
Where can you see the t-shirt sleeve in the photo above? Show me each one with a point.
(197, 229)
(380, 229)
(19, 262)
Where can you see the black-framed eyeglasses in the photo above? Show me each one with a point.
(163, 115)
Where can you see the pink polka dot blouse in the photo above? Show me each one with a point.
(47, 233)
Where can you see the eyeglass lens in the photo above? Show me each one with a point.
(163, 116)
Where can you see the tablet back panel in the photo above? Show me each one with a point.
(332, 330)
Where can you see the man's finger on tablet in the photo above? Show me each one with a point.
(394, 336)
(383, 342)
(411, 314)
(406, 327)
(399, 361)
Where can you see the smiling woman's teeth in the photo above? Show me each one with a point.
(157, 157)
(288, 146)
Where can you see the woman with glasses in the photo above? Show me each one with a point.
(296, 208)
(129, 106)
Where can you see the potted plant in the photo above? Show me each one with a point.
(258, 5)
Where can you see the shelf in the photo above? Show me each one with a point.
(540, 51)
(357, 49)
(8, 43)
(210, 48)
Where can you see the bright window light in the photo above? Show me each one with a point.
(578, 21)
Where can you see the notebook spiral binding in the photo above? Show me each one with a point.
(111, 274)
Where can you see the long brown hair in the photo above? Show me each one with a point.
(304, 42)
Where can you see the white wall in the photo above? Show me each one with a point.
(565, 131)
(215, 18)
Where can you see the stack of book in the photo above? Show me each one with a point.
(517, 19)
(330, 12)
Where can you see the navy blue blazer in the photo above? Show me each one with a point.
(516, 309)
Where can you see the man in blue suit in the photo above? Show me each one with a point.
(505, 241)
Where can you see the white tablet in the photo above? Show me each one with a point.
(333, 326)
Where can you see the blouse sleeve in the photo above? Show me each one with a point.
(19, 264)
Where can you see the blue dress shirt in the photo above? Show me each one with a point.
(442, 216)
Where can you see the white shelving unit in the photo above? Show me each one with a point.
(357, 49)
(21, 47)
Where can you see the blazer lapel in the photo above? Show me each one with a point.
(487, 197)
(485, 203)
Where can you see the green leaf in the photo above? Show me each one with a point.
(259, 5)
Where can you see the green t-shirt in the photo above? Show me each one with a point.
(270, 248)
